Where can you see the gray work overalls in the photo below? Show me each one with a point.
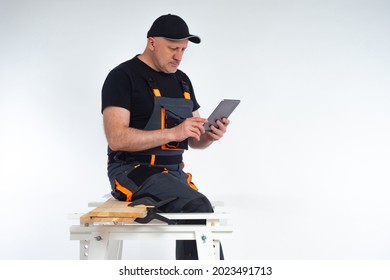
(158, 172)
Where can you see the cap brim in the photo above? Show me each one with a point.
(193, 38)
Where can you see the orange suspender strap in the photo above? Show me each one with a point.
(124, 190)
(152, 84)
(186, 90)
(187, 95)
(156, 92)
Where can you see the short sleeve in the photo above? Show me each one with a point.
(117, 90)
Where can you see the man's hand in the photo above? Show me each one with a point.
(190, 128)
(217, 133)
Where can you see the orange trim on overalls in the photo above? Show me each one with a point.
(157, 92)
(125, 191)
(152, 159)
(162, 118)
(167, 147)
(189, 182)
(187, 95)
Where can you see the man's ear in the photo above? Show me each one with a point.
(151, 43)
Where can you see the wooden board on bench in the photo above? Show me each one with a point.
(114, 211)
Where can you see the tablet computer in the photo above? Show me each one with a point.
(223, 110)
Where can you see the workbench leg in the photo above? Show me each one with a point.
(217, 248)
(204, 244)
(98, 246)
(115, 249)
(84, 249)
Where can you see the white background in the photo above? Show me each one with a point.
(304, 167)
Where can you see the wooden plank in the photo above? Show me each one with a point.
(89, 219)
(115, 211)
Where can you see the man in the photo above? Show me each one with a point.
(150, 118)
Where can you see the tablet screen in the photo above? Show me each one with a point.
(223, 110)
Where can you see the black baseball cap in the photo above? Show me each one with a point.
(172, 27)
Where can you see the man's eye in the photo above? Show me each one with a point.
(176, 49)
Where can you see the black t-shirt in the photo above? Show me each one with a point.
(127, 86)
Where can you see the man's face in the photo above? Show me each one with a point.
(167, 54)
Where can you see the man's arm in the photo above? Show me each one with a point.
(208, 137)
(121, 137)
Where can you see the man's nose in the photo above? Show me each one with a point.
(178, 55)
